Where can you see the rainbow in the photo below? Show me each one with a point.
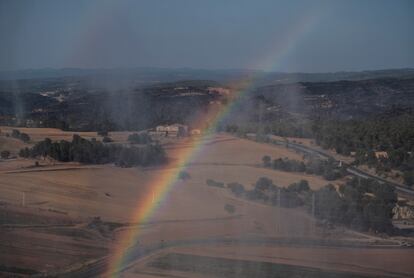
(162, 185)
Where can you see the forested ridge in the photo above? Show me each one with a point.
(385, 142)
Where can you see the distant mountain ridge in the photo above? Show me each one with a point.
(84, 103)
(151, 75)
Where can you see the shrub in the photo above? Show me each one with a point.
(20, 135)
(265, 184)
(229, 208)
(300, 186)
(5, 154)
(236, 188)
(15, 133)
(24, 137)
(267, 161)
(183, 175)
(214, 183)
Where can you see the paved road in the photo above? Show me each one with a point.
(350, 169)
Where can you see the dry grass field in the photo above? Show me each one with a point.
(38, 134)
(48, 213)
(311, 143)
(11, 144)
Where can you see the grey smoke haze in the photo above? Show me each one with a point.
(342, 35)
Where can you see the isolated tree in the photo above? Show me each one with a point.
(267, 161)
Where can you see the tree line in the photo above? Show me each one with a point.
(95, 152)
(360, 204)
(325, 168)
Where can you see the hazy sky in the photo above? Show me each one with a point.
(291, 35)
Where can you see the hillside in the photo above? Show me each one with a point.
(344, 99)
(82, 104)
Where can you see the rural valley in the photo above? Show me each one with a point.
(247, 198)
(207, 139)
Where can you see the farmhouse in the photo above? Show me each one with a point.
(379, 155)
(195, 132)
(175, 130)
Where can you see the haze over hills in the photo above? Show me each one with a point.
(153, 74)
(221, 139)
(143, 98)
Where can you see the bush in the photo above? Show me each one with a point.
(5, 154)
(267, 161)
(24, 137)
(20, 135)
(229, 208)
(15, 133)
(213, 183)
(301, 186)
(183, 175)
(236, 188)
(265, 184)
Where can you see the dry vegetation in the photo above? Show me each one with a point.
(38, 134)
(53, 230)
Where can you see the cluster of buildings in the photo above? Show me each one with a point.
(174, 130)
